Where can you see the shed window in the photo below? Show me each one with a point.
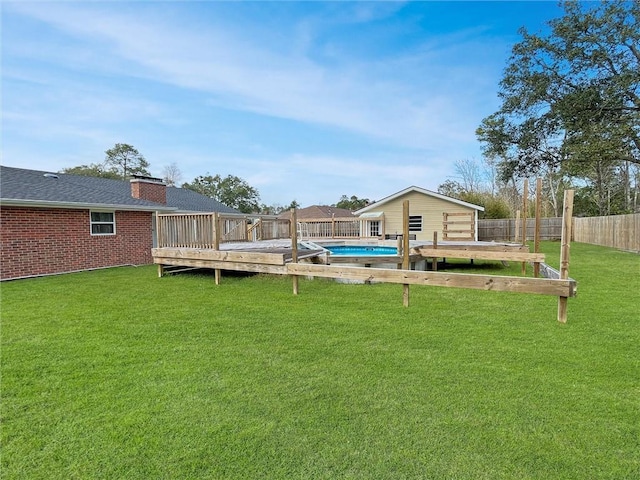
(415, 223)
(374, 228)
(103, 223)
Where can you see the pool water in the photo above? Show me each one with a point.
(362, 250)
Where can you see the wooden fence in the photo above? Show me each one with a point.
(617, 231)
(504, 229)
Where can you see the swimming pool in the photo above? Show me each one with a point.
(361, 250)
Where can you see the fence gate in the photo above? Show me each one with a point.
(459, 226)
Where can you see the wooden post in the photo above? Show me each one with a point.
(294, 247)
(216, 243)
(405, 249)
(516, 236)
(333, 225)
(159, 229)
(159, 240)
(567, 214)
(525, 206)
(536, 235)
(434, 263)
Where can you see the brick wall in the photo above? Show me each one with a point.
(40, 241)
(154, 191)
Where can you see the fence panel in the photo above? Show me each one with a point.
(617, 231)
(329, 228)
(504, 229)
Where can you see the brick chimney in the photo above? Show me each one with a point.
(149, 188)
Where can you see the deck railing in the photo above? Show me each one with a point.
(198, 230)
(320, 228)
(269, 229)
(187, 230)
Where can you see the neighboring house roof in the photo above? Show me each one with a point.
(19, 186)
(429, 193)
(319, 211)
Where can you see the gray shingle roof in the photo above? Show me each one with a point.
(46, 188)
(188, 200)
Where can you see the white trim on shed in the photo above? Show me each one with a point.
(377, 204)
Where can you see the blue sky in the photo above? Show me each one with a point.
(305, 101)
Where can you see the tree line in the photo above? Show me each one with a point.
(570, 110)
(123, 161)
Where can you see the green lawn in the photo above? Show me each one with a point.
(120, 374)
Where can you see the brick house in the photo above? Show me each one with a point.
(55, 223)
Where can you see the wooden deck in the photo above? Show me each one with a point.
(221, 243)
(271, 256)
(261, 257)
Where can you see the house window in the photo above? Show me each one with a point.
(103, 223)
(415, 223)
(374, 228)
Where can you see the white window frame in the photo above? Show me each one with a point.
(374, 228)
(415, 223)
(92, 223)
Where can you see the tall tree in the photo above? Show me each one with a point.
(171, 174)
(470, 174)
(352, 203)
(277, 209)
(231, 190)
(571, 99)
(126, 160)
(92, 170)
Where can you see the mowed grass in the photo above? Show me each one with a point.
(120, 374)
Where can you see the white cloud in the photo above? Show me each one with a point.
(378, 100)
(113, 70)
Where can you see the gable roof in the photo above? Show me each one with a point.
(19, 186)
(429, 193)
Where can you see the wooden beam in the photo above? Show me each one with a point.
(487, 247)
(216, 242)
(213, 264)
(541, 286)
(220, 255)
(482, 255)
(294, 247)
(536, 234)
(434, 261)
(405, 249)
(567, 214)
(525, 207)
